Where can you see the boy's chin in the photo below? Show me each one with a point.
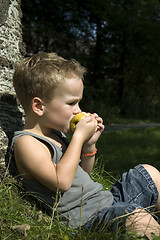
(65, 131)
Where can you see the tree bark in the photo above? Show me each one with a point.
(12, 51)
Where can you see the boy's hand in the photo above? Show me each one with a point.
(86, 127)
(87, 162)
(100, 127)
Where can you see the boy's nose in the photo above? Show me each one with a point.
(77, 110)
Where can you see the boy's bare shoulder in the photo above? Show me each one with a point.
(34, 160)
(29, 143)
(26, 139)
(29, 151)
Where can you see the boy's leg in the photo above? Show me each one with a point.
(155, 174)
(141, 221)
(140, 186)
(136, 191)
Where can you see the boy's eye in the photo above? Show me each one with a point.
(72, 103)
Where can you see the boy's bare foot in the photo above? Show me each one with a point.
(143, 223)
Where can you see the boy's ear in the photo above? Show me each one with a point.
(38, 106)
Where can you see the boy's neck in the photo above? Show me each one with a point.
(33, 126)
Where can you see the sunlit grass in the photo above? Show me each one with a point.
(14, 210)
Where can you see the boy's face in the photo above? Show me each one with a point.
(64, 105)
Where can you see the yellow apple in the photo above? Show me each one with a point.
(77, 118)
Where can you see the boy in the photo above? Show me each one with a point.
(57, 172)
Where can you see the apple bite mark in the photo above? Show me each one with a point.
(77, 118)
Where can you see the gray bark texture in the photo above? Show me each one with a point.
(12, 51)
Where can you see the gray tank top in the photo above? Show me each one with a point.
(77, 205)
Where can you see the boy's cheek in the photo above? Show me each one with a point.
(68, 116)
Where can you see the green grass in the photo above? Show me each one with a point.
(117, 152)
(121, 150)
(131, 120)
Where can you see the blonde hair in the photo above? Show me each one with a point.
(39, 75)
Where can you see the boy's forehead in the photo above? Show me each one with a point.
(72, 83)
(71, 86)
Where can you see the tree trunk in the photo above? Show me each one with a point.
(11, 52)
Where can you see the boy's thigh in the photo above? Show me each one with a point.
(112, 218)
(135, 190)
(136, 187)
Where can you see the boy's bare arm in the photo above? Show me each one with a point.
(87, 163)
(89, 146)
(35, 160)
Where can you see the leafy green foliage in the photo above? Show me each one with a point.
(118, 41)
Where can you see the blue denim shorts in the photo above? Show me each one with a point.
(136, 189)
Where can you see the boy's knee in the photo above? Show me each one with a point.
(154, 173)
(151, 169)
